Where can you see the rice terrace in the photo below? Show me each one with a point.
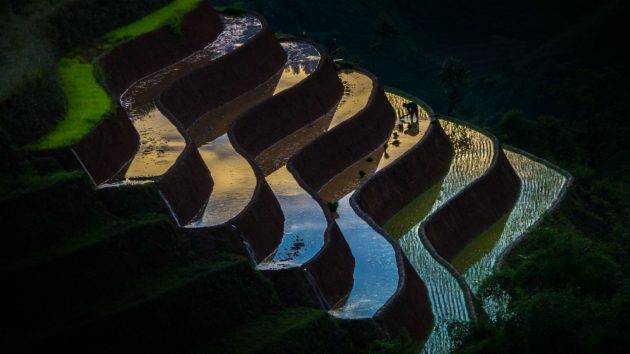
(350, 176)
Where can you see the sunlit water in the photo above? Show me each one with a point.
(160, 141)
(305, 222)
(234, 178)
(541, 186)
(473, 154)
(376, 270)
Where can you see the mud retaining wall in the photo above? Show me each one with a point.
(109, 147)
(348, 142)
(134, 59)
(187, 185)
(331, 271)
(408, 311)
(291, 109)
(475, 209)
(225, 78)
(411, 175)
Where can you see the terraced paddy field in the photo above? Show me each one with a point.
(473, 154)
(376, 259)
(234, 179)
(304, 220)
(541, 187)
(161, 142)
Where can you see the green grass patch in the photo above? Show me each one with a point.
(87, 104)
(12, 186)
(169, 14)
(87, 101)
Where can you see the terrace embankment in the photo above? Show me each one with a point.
(347, 143)
(242, 200)
(409, 309)
(285, 113)
(413, 174)
(307, 89)
(110, 147)
(225, 78)
(117, 133)
(474, 209)
(330, 271)
(134, 59)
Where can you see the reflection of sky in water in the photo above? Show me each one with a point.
(376, 271)
(304, 224)
(302, 60)
(540, 187)
(160, 141)
(473, 153)
(234, 179)
(298, 207)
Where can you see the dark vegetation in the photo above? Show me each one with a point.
(550, 77)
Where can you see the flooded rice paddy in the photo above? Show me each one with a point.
(160, 140)
(305, 222)
(234, 178)
(473, 154)
(376, 270)
(540, 187)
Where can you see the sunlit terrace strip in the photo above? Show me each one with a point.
(88, 102)
(473, 155)
(541, 186)
(376, 269)
(305, 222)
(161, 142)
(234, 179)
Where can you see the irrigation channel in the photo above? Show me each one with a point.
(160, 140)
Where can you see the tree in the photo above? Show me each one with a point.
(386, 30)
(453, 75)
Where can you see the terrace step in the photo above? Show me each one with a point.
(286, 331)
(53, 210)
(169, 311)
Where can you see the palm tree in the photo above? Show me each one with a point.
(454, 74)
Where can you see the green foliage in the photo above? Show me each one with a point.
(333, 206)
(88, 103)
(169, 14)
(232, 9)
(567, 286)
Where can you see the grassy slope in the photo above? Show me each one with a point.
(88, 103)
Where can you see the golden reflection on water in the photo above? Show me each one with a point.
(234, 181)
(357, 90)
(291, 75)
(305, 221)
(282, 182)
(160, 141)
(234, 178)
(352, 177)
(160, 145)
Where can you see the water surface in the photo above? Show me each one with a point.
(234, 178)
(160, 140)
